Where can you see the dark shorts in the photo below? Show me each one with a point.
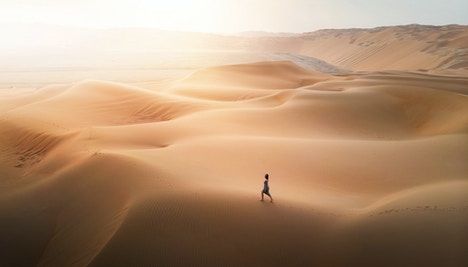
(266, 192)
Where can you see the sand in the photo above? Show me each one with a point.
(408, 47)
(367, 168)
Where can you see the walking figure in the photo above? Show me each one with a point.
(266, 188)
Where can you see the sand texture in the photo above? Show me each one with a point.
(366, 168)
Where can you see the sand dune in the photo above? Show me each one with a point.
(70, 55)
(409, 47)
(367, 168)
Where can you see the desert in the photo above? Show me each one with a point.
(154, 154)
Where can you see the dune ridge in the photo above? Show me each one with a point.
(108, 174)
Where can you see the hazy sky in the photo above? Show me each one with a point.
(234, 15)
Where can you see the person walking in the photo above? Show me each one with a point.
(266, 188)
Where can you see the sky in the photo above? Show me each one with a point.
(231, 16)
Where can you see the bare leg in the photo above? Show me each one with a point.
(261, 193)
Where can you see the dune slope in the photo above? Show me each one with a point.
(366, 169)
(406, 47)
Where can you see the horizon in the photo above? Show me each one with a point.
(87, 28)
(20, 36)
(231, 17)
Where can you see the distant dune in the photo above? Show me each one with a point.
(367, 168)
(31, 56)
(409, 47)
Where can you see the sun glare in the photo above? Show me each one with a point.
(187, 15)
(184, 15)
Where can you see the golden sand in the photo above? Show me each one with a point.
(366, 168)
